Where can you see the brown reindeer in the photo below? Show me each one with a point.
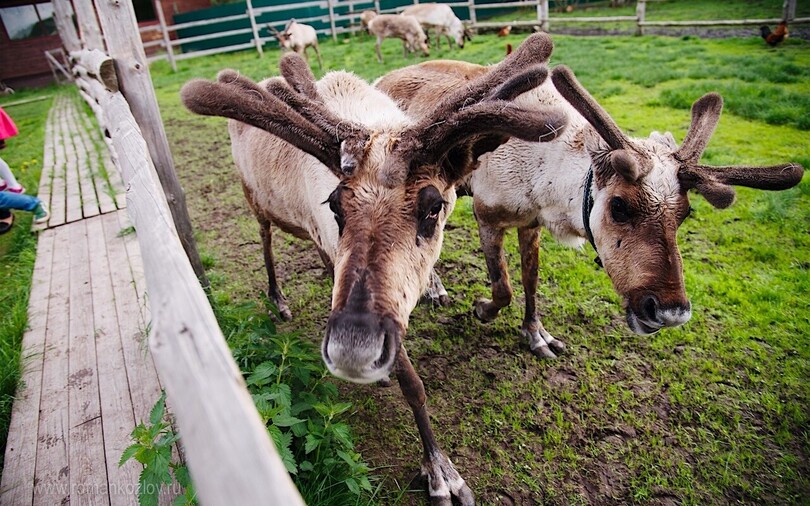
(626, 196)
(337, 162)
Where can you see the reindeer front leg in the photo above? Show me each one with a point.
(540, 341)
(444, 482)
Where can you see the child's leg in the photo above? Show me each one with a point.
(7, 175)
(19, 201)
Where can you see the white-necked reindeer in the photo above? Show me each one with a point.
(439, 17)
(627, 196)
(337, 162)
(406, 28)
(298, 37)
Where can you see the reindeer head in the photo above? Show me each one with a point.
(636, 198)
(284, 39)
(395, 183)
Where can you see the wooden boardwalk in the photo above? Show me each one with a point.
(88, 377)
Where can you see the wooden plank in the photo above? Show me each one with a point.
(21, 448)
(83, 379)
(52, 469)
(44, 188)
(88, 473)
(96, 150)
(84, 155)
(73, 202)
(117, 416)
(141, 373)
(58, 181)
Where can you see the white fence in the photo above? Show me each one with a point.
(170, 40)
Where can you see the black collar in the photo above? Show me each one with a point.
(587, 207)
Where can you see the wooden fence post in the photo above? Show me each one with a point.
(125, 47)
(542, 14)
(641, 11)
(473, 17)
(789, 10)
(256, 39)
(167, 40)
(63, 17)
(332, 19)
(88, 25)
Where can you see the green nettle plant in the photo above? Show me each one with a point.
(152, 447)
(299, 406)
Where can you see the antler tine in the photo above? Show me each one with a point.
(499, 118)
(527, 80)
(705, 116)
(714, 183)
(297, 73)
(536, 49)
(315, 112)
(568, 86)
(254, 106)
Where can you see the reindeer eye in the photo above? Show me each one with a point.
(435, 211)
(429, 206)
(619, 210)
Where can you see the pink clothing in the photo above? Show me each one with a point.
(7, 127)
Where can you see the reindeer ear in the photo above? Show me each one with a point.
(625, 165)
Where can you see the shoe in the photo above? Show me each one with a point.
(21, 189)
(41, 214)
(5, 224)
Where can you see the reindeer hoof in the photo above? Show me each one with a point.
(482, 313)
(284, 314)
(444, 482)
(543, 352)
(557, 346)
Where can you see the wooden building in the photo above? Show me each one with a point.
(28, 31)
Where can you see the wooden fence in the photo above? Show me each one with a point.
(170, 38)
(227, 448)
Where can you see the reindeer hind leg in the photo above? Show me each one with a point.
(274, 290)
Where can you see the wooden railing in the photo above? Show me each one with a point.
(226, 445)
(170, 38)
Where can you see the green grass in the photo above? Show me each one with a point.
(18, 247)
(710, 413)
(714, 412)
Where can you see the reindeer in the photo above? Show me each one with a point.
(441, 18)
(626, 196)
(337, 162)
(406, 28)
(298, 37)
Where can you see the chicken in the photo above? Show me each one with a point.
(508, 49)
(775, 37)
(505, 31)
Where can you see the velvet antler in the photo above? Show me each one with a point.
(624, 158)
(714, 183)
(478, 118)
(295, 114)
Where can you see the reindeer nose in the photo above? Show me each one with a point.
(359, 346)
(649, 308)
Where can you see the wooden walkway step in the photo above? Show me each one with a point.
(88, 377)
